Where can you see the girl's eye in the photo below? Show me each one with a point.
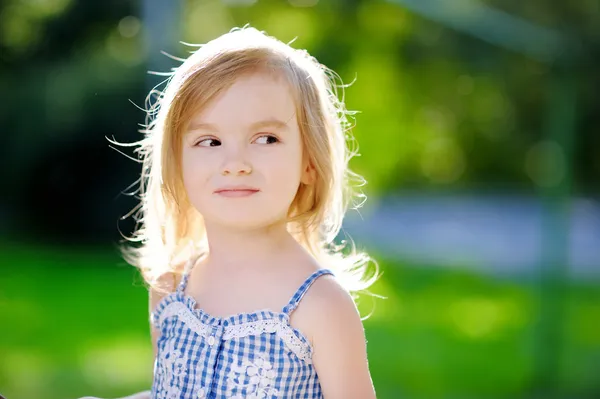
(266, 139)
(209, 143)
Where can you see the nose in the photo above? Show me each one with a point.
(236, 164)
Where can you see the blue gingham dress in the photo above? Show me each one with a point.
(249, 355)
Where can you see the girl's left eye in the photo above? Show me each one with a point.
(266, 139)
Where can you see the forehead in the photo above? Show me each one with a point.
(251, 98)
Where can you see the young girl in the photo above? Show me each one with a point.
(245, 183)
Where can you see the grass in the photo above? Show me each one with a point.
(75, 323)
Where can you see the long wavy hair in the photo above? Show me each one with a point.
(169, 230)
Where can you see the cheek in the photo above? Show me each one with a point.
(285, 170)
(194, 173)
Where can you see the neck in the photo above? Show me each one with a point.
(230, 248)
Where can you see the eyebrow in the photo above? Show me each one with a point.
(270, 122)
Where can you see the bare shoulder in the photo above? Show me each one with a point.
(168, 281)
(326, 308)
(163, 286)
(328, 294)
(335, 330)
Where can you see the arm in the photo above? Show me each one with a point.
(340, 355)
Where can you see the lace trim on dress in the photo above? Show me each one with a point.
(183, 313)
(279, 327)
(259, 327)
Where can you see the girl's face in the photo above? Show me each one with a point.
(242, 155)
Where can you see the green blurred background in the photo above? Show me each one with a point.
(478, 129)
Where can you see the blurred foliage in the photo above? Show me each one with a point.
(439, 109)
(441, 333)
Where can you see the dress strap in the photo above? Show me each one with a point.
(293, 303)
(189, 265)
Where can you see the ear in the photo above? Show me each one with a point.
(309, 174)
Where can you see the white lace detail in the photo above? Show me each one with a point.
(185, 315)
(284, 332)
(170, 372)
(252, 380)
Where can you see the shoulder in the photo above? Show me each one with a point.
(168, 281)
(162, 286)
(333, 304)
(327, 309)
(329, 294)
(338, 340)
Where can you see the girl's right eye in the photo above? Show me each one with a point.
(208, 143)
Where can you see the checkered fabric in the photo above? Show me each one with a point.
(249, 355)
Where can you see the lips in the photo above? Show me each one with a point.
(237, 191)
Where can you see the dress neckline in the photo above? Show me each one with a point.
(232, 319)
(254, 321)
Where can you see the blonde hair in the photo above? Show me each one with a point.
(167, 222)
